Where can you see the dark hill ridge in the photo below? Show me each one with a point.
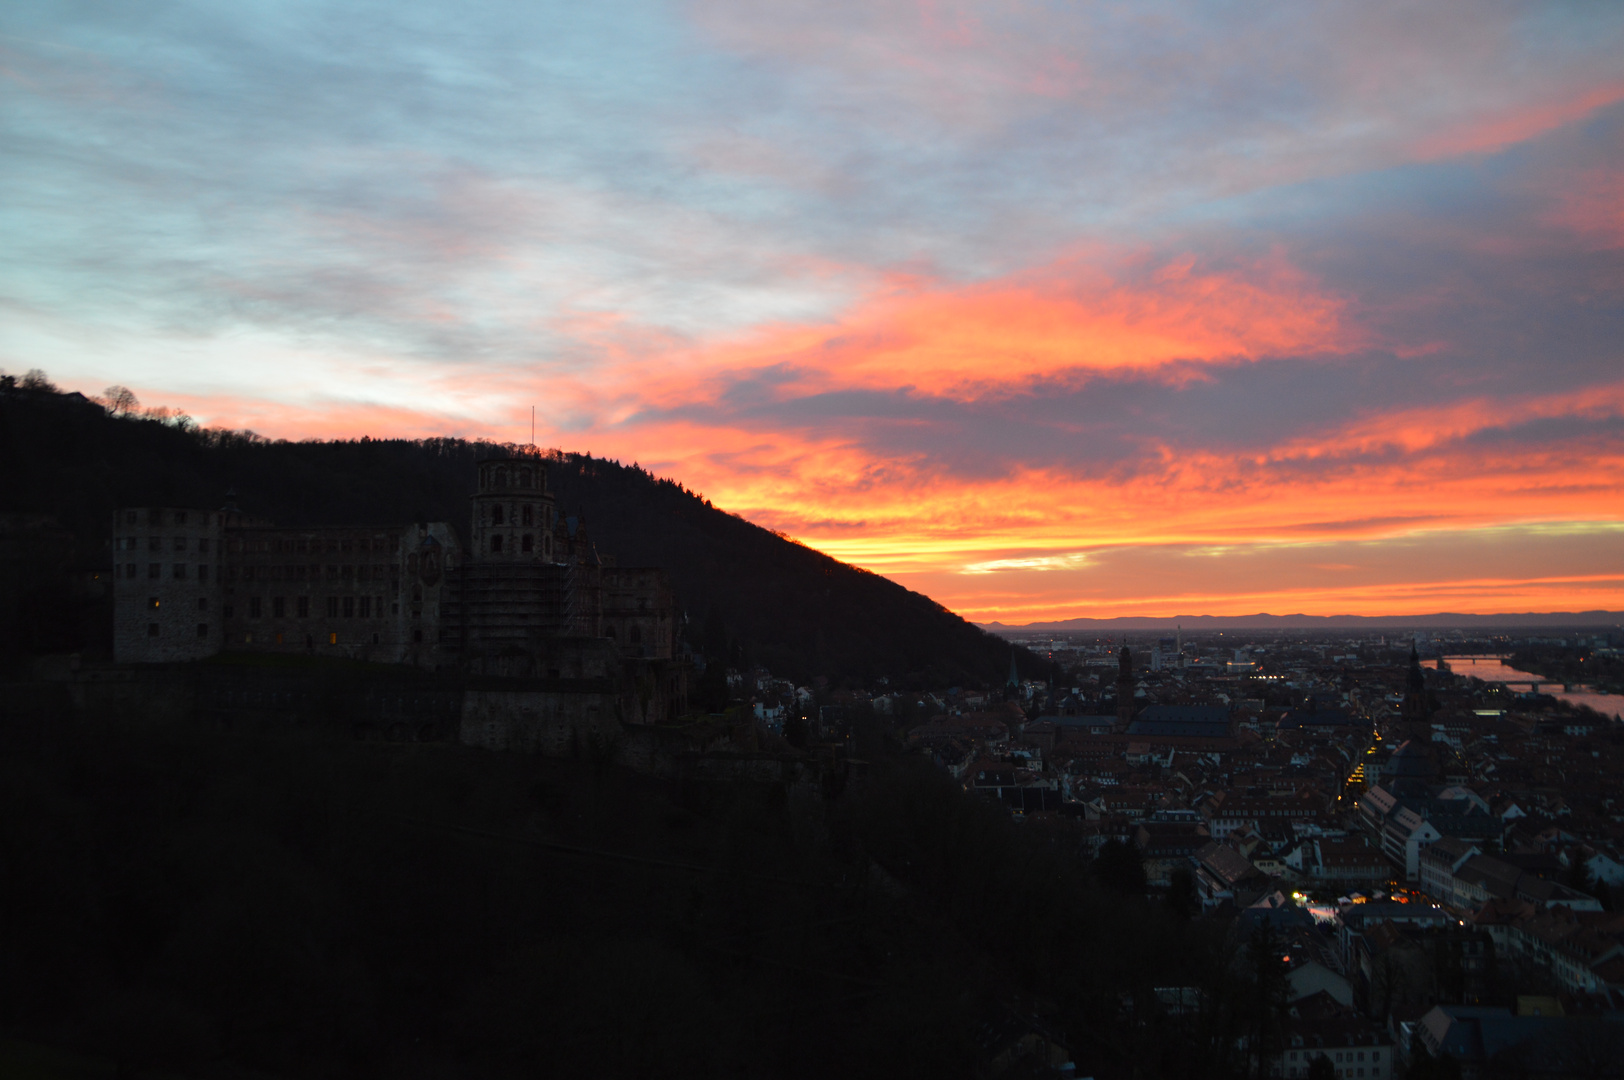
(793, 610)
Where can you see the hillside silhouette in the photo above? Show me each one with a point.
(784, 606)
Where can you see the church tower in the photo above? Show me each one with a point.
(1414, 709)
(1124, 689)
(513, 512)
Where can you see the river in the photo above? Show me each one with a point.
(1494, 669)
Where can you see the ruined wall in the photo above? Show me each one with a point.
(166, 584)
(556, 722)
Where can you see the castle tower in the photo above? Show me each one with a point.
(1124, 689)
(513, 512)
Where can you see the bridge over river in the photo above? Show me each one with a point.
(1491, 667)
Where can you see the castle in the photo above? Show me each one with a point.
(528, 598)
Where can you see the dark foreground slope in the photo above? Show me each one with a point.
(791, 609)
(180, 902)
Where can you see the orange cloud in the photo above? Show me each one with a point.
(1486, 136)
(964, 342)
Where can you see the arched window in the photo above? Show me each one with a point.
(496, 515)
(496, 542)
(527, 543)
(524, 478)
(528, 514)
(501, 478)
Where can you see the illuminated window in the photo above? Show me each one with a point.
(332, 639)
(152, 603)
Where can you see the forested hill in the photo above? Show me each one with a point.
(786, 607)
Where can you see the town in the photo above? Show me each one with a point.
(1431, 838)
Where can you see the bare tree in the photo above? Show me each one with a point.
(36, 379)
(121, 400)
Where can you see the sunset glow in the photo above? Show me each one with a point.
(1043, 311)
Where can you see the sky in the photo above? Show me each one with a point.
(1044, 309)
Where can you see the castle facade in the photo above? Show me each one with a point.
(529, 597)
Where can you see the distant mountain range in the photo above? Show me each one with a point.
(1443, 620)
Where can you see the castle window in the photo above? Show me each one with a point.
(547, 543)
(366, 607)
(202, 629)
(180, 517)
(636, 635)
(202, 603)
(129, 517)
(155, 517)
(332, 607)
(527, 543)
(527, 513)
(253, 607)
(304, 607)
(152, 603)
(332, 639)
(155, 570)
(227, 613)
(279, 637)
(417, 635)
(180, 571)
(129, 570)
(524, 478)
(609, 632)
(349, 607)
(155, 544)
(203, 545)
(180, 543)
(496, 515)
(152, 629)
(496, 542)
(279, 607)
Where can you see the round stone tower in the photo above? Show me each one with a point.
(513, 512)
